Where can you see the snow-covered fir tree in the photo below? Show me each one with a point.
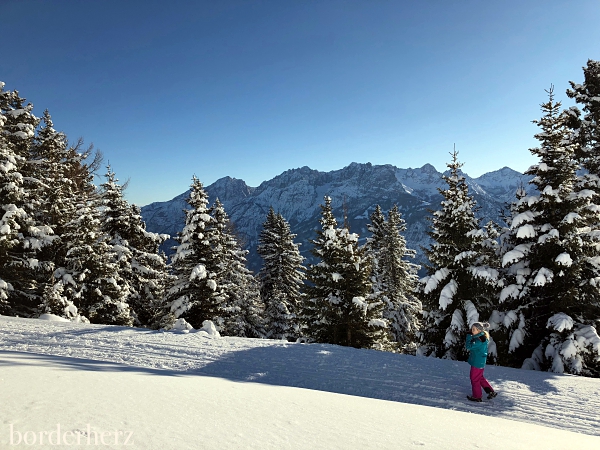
(56, 200)
(135, 251)
(281, 278)
(339, 306)
(22, 236)
(193, 293)
(13, 217)
(394, 279)
(237, 287)
(554, 296)
(113, 223)
(149, 270)
(68, 189)
(459, 284)
(91, 278)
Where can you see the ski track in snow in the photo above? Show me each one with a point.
(560, 401)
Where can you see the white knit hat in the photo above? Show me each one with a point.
(481, 326)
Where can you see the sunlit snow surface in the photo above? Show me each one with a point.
(192, 391)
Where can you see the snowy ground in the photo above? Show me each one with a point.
(189, 391)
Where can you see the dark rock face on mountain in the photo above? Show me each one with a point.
(297, 194)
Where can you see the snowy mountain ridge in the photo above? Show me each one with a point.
(297, 194)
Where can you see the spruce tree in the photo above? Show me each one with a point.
(339, 308)
(135, 251)
(13, 218)
(22, 236)
(237, 287)
(53, 197)
(457, 289)
(91, 278)
(554, 264)
(394, 278)
(281, 278)
(116, 223)
(149, 271)
(66, 193)
(194, 294)
(404, 309)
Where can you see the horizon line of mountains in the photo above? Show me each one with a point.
(297, 193)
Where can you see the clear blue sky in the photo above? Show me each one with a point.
(169, 89)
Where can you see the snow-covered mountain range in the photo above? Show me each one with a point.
(297, 194)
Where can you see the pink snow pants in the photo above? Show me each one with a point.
(478, 381)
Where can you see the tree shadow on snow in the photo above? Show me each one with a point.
(523, 395)
(67, 362)
(342, 370)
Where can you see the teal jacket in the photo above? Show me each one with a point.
(477, 345)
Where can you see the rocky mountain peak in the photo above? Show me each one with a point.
(297, 194)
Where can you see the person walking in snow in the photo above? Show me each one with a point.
(477, 345)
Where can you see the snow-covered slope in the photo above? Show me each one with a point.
(180, 391)
(297, 194)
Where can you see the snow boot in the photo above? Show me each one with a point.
(490, 392)
(474, 399)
